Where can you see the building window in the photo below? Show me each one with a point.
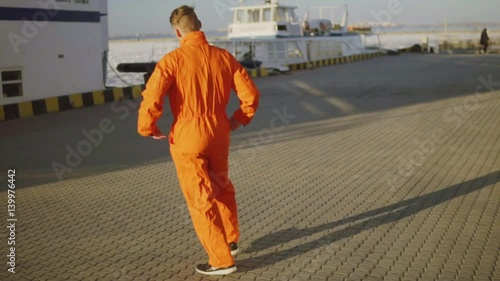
(12, 83)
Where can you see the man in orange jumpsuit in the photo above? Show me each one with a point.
(198, 79)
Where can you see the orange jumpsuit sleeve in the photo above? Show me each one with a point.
(157, 87)
(246, 91)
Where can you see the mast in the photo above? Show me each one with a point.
(345, 20)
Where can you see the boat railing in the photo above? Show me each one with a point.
(273, 52)
(371, 41)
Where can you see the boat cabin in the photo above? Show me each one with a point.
(270, 20)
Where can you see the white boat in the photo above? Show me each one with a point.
(273, 34)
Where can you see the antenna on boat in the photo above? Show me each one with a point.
(345, 20)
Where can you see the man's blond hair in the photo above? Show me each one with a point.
(185, 19)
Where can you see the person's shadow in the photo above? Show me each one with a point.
(368, 220)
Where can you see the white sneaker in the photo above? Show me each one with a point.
(234, 249)
(207, 269)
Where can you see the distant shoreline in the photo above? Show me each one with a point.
(440, 32)
(166, 38)
(142, 39)
(407, 30)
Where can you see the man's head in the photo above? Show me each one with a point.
(184, 20)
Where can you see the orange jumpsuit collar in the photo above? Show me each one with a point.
(194, 38)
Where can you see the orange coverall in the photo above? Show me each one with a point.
(198, 78)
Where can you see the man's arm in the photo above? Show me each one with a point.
(247, 92)
(152, 105)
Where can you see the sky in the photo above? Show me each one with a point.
(129, 17)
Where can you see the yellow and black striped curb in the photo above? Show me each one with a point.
(334, 61)
(258, 72)
(80, 100)
(261, 72)
(63, 103)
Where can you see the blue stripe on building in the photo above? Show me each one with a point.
(34, 14)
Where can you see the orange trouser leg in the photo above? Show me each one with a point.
(225, 193)
(200, 193)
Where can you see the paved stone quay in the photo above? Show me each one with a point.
(385, 169)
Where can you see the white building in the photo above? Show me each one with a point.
(51, 48)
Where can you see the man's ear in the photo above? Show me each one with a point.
(200, 25)
(178, 33)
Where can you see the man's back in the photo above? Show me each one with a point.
(198, 78)
(203, 79)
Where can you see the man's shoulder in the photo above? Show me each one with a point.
(170, 57)
(169, 61)
(220, 50)
(172, 54)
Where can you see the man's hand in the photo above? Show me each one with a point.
(159, 137)
(234, 124)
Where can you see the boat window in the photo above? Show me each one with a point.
(253, 15)
(282, 15)
(239, 16)
(282, 27)
(266, 14)
(294, 17)
(281, 55)
(12, 84)
(294, 51)
(279, 15)
(280, 46)
(288, 15)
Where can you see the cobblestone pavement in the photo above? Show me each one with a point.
(386, 169)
